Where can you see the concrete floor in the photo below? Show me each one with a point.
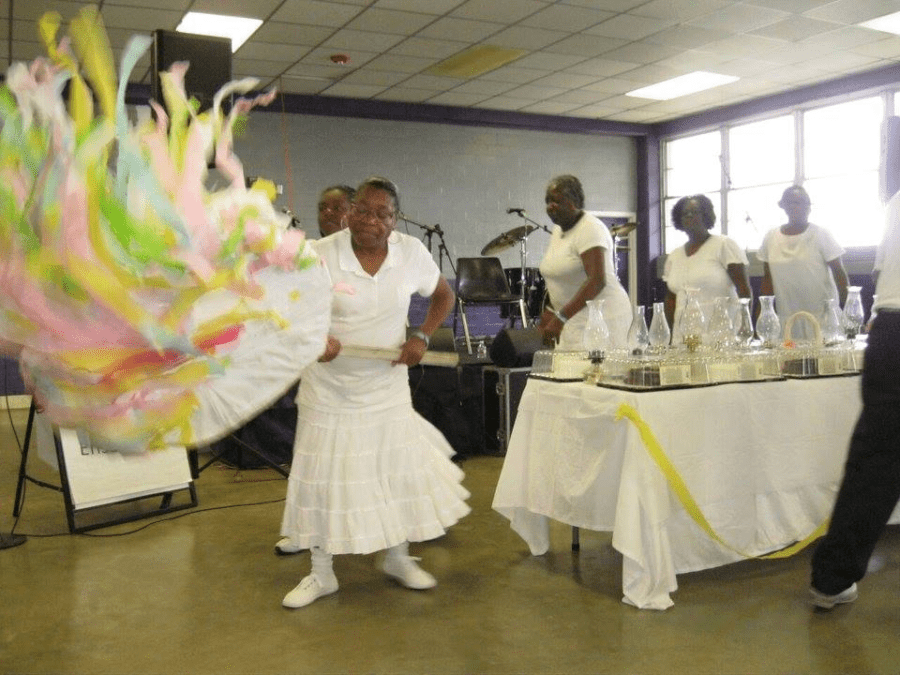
(200, 592)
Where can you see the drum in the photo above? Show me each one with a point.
(534, 288)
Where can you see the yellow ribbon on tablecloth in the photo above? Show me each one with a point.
(684, 495)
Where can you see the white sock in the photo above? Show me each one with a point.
(321, 563)
(399, 551)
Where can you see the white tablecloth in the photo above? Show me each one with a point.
(762, 460)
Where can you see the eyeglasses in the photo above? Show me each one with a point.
(381, 215)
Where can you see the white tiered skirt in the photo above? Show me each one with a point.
(365, 481)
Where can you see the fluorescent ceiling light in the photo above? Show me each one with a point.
(682, 85)
(237, 28)
(889, 23)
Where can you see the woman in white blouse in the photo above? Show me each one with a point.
(711, 264)
(802, 264)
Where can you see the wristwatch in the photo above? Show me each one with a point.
(419, 333)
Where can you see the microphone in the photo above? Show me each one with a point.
(519, 211)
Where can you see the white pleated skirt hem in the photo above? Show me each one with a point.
(365, 481)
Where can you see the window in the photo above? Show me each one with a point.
(833, 151)
(693, 166)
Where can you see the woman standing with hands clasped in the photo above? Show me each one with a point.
(711, 264)
(578, 267)
(802, 264)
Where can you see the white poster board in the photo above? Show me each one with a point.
(97, 477)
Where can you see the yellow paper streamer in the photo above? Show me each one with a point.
(677, 484)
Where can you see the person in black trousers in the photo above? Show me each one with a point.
(870, 488)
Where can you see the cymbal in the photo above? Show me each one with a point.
(622, 229)
(507, 239)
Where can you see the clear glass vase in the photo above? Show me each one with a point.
(768, 327)
(744, 331)
(832, 326)
(720, 329)
(854, 315)
(596, 340)
(638, 334)
(692, 324)
(660, 334)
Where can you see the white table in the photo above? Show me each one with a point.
(762, 460)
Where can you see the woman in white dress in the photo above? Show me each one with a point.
(802, 264)
(368, 472)
(712, 265)
(578, 267)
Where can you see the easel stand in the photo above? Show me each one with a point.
(196, 469)
(104, 486)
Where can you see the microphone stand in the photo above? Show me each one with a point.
(430, 231)
(524, 254)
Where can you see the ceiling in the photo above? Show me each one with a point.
(581, 56)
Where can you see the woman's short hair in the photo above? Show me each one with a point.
(346, 190)
(706, 210)
(570, 186)
(798, 189)
(382, 183)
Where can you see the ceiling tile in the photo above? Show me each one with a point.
(508, 11)
(679, 10)
(514, 74)
(641, 52)
(629, 27)
(405, 94)
(846, 37)
(580, 96)
(374, 77)
(425, 6)
(32, 11)
(504, 103)
(390, 21)
(465, 30)
(306, 69)
(525, 37)
(565, 80)
(651, 74)
(612, 85)
(266, 51)
(365, 40)
(400, 63)
(882, 49)
(687, 37)
(694, 59)
(322, 57)
(138, 18)
(601, 67)
(547, 61)
(255, 68)
(638, 115)
(738, 46)
(352, 90)
(596, 111)
(431, 82)
(179, 5)
(456, 98)
(291, 33)
(794, 6)
(255, 9)
(533, 92)
(607, 5)
(853, 11)
(585, 46)
(316, 13)
(845, 62)
(426, 47)
(795, 28)
(485, 87)
(740, 18)
(292, 85)
(549, 107)
(566, 17)
(743, 67)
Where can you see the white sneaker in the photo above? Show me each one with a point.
(285, 547)
(823, 601)
(311, 588)
(404, 569)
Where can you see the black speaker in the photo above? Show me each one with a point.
(890, 158)
(515, 347)
(209, 58)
